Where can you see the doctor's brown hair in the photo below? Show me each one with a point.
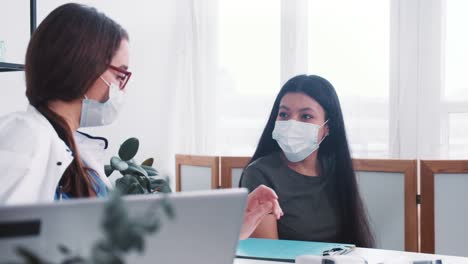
(67, 53)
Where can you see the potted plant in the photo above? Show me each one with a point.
(136, 178)
(121, 233)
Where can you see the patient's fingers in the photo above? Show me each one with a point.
(277, 211)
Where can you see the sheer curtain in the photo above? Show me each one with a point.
(248, 72)
(194, 88)
(454, 141)
(349, 44)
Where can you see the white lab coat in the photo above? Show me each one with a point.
(33, 158)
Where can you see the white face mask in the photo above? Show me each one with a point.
(297, 139)
(94, 113)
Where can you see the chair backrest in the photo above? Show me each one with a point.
(196, 172)
(389, 189)
(231, 170)
(444, 207)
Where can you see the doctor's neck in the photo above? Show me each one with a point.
(70, 111)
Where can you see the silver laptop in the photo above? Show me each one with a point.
(205, 229)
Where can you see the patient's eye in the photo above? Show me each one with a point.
(283, 115)
(306, 116)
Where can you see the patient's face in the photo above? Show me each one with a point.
(302, 108)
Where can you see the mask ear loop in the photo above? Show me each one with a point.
(86, 97)
(326, 134)
(324, 123)
(106, 82)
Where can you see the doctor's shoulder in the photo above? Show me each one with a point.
(25, 132)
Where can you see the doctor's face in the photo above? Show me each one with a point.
(117, 74)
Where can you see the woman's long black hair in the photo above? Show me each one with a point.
(333, 156)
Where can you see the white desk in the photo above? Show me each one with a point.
(374, 256)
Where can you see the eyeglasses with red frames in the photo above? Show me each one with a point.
(123, 77)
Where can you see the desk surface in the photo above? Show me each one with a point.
(374, 256)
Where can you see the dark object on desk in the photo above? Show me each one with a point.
(9, 67)
(20, 229)
(337, 251)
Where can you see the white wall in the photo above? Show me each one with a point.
(14, 30)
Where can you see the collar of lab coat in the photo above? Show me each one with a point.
(91, 148)
(92, 152)
(38, 116)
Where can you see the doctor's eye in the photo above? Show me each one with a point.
(306, 116)
(121, 77)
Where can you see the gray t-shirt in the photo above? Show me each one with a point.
(309, 215)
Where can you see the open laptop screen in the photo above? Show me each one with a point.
(205, 229)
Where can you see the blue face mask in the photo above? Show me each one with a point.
(94, 113)
(297, 139)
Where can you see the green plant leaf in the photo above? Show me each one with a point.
(108, 170)
(151, 225)
(148, 162)
(135, 169)
(168, 208)
(159, 184)
(136, 188)
(124, 184)
(118, 164)
(144, 182)
(129, 149)
(75, 260)
(165, 189)
(29, 256)
(64, 249)
(150, 170)
(139, 243)
(103, 253)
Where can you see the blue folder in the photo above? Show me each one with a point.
(286, 250)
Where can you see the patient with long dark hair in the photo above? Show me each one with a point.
(303, 155)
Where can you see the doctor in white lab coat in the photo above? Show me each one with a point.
(34, 158)
(76, 73)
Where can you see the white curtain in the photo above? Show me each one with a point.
(194, 87)
(416, 85)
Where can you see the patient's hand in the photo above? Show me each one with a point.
(261, 202)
